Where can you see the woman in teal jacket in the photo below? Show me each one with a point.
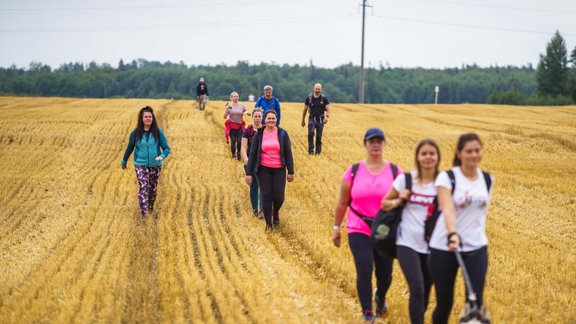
(150, 149)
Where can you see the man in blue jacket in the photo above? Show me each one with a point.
(267, 102)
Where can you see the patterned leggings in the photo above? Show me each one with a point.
(148, 181)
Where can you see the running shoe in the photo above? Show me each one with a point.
(381, 307)
(368, 316)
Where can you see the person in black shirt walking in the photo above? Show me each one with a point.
(319, 107)
(201, 94)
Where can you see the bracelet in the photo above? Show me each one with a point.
(335, 227)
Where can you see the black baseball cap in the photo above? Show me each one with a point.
(374, 132)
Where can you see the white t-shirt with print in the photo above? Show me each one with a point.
(471, 200)
(411, 228)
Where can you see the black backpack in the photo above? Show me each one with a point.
(435, 211)
(355, 166)
(385, 227)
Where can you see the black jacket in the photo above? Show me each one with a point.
(256, 150)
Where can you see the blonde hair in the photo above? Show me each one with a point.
(233, 92)
(256, 110)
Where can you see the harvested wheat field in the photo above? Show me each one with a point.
(72, 247)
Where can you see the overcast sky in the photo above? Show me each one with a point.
(399, 33)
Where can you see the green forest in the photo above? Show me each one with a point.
(553, 82)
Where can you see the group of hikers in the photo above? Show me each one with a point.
(373, 185)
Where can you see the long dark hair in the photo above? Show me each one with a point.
(464, 138)
(140, 126)
(432, 143)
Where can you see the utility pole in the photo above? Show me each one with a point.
(361, 89)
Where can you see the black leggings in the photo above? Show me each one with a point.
(415, 268)
(365, 258)
(235, 142)
(272, 184)
(443, 269)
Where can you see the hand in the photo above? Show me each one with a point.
(336, 238)
(454, 242)
(159, 158)
(249, 180)
(123, 166)
(303, 123)
(290, 178)
(325, 119)
(404, 194)
(245, 160)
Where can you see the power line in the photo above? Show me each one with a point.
(142, 7)
(481, 5)
(470, 26)
(175, 26)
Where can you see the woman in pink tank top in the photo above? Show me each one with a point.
(363, 191)
(270, 158)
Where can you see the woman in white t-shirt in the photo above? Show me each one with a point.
(462, 225)
(411, 248)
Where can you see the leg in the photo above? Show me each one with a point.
(233, 139)
(410, 262)
(363, 260)
(310, 135)
(278, 190)
(254, 194)
(383, 274)
(319, 129)
(443, 268)
(239, 145)
(477, 266)
(426, 277)
(265, 183)
(154, 173)
(143, 182)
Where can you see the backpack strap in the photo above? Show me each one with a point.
(394, 168)
(488, 180)
(408, 177)
(452, 180)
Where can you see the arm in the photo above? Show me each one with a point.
(278, 123)
(341, 207)
(390, 202)
(129, 149)
(226, 110)
(327, 114)
(164, 146)
(289, 157)
(306, 103)
(243, 149)
(253, 153)
(447, 207)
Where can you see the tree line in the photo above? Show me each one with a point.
(151, 79)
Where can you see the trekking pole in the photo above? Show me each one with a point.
(467, 281)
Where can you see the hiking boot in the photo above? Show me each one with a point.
(381, 307)
(368, 316)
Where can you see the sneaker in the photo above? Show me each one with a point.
(260, 214)
(368, 316)
(255, 212)
(381, 307)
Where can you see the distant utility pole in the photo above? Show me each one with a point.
(361, 90)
